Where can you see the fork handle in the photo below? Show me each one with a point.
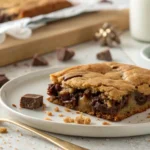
(60, 143)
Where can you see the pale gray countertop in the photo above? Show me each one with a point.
(128, 54)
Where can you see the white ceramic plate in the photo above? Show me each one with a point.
(37, 83)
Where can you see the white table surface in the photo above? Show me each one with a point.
(85, 53)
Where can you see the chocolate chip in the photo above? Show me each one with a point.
(140, 98)
(65, 96)
(70, 77)
(31, 101)
(3, 79)
(104, 55)
(39, 61)
(58, 87)
(64, 54)
(51, 90)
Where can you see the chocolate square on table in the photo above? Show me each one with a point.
(104, 55)
(3, 79)
(64, 54)
(39, 61)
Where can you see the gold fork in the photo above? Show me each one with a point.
(60, 143)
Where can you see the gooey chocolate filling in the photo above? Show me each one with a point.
(98, 102)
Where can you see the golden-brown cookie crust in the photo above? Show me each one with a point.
(114, 78)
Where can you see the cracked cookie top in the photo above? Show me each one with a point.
(114, 79)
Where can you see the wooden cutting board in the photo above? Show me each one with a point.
(61, 33)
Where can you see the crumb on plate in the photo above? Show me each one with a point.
(56, 109)
(43, 107)
(49, 113)
(67, 109)
(68, 120)
(61, 115)
(47, 118)
(78, 112)
(106, 123)
(82, 119)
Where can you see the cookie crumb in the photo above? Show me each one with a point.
(48, 98)
(14, 105)
(91, 113)
(47, 118)
(17, 130)
(68, 120)
(82, 119)
(67, 109)
(43, 107)
(87, 120)
(61, 115)
(78, 112)
(56, 109)
(3, 130)
(148, 116)
(106, 123)
(49, 113)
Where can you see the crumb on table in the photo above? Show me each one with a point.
(148, 116)
(3, 130)
(56, 109)
(49, 113)
(68, 120)
(106, 123)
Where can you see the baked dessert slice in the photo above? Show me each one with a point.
(111, 91)
(30, 8)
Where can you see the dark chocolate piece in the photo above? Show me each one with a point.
(39, 61)
(104, 55)
(3, 79)
(64, 54)
(31, 101)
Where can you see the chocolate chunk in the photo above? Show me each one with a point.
(65, 54)
(31, 101)
(53, 89)
(140, 98)
(39, 61)
(104, 55)
(87, 93)
(70, 77)
(3, 79)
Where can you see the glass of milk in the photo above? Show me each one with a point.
(140, 19)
